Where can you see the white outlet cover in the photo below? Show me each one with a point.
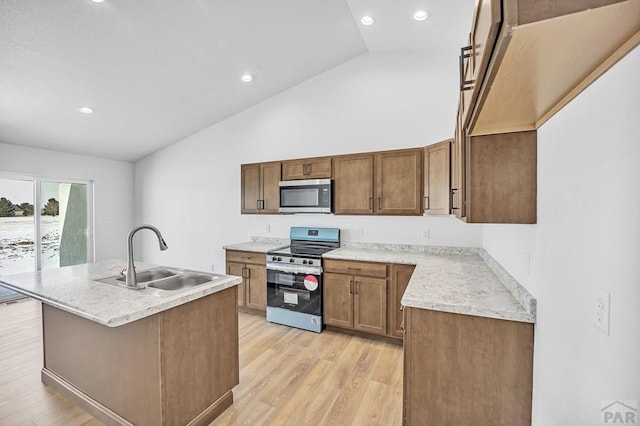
(602, 304)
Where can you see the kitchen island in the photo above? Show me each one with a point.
(132, 357)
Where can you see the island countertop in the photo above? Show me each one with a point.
(456, 280)
(74, 289)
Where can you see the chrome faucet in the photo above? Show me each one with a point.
(131, 269)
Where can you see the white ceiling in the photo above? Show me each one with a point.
(158, 71)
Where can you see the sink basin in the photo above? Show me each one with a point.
(151, 275)
(180, 282)
(163, 282)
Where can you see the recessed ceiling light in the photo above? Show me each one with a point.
(247, 78)
(85, 109)
(420, 15)
(97, 1)
(367, 20)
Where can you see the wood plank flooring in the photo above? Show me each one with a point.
(287, 377)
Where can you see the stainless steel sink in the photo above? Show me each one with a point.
(163, 282)
(184, 281)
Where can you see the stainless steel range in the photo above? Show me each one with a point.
(294, 278)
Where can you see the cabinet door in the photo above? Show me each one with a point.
(458, 170)
(256, 283)
(370, 305)
(318, 168)
(437, 178)
(307, 168)
(399, 182)
(270, 189)
(400, 276)
(338, 300)
(501, 178)
(353, 184)
(237, 269)
(250, 188)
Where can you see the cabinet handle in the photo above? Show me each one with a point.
(465, 84)
(257, 204)
(426, 203)
(304, 170)
(453, 193)
(261, 205)
(351, 287)
(379, 203)
(370, 203)
(356, 287)
(354, 269)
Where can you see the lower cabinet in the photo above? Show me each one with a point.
(466, 370)
(355, 295)
(400, 276)
(252, 292)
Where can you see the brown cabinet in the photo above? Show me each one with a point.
(463, 370)
(437, 178)
(259, 187)
(353, 184)
(307, 168)
(384, 183)
(252, 292)
(501, 176)
(400, 276)
(399, 182)
(515, 76)
(357, 299)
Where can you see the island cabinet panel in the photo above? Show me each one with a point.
(437, 178)
(173, 368)
(399, 182)
(354, 295)
(400, 276)
(259, 183)
(353, 184)
(307, 168)
(466, 370)
(252, 292)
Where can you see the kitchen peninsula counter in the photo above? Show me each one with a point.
(130, 357)
(451, 279)
(74, 289)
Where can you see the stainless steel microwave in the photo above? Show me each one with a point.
(306, 196)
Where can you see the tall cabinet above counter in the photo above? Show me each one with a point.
(524, 61)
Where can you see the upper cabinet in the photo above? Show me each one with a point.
(526, 59)
(399, 182)
(259, 187)
(437, 178)
(307, 168)
(353, 184)
(384, 183)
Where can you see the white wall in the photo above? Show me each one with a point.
(587, 235)
(113, 189)
(191, 190)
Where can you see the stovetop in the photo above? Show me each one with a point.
(307, 246)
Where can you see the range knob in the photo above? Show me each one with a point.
(279, 259)
(304, 262)
(274, 258)
(291, 260)
(310, 262)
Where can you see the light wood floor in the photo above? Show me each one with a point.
(287, 377)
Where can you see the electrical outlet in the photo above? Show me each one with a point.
(361, 232)
(602, 310)
(267, 228)
(213, 267)
(426, 233)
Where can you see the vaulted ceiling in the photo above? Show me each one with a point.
(157, 71)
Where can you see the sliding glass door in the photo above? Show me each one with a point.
(44, 224)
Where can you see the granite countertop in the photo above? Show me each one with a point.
(73, 289)
(261, 245)
(457, 280)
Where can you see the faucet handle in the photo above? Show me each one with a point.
(123, 272)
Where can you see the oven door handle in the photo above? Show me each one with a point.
(311, 270)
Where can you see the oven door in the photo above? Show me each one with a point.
(295, 289)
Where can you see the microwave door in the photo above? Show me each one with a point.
(299, 197)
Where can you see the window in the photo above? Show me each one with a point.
(44, 224)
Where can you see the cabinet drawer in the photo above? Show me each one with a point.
(356, 268)
(246, 257)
